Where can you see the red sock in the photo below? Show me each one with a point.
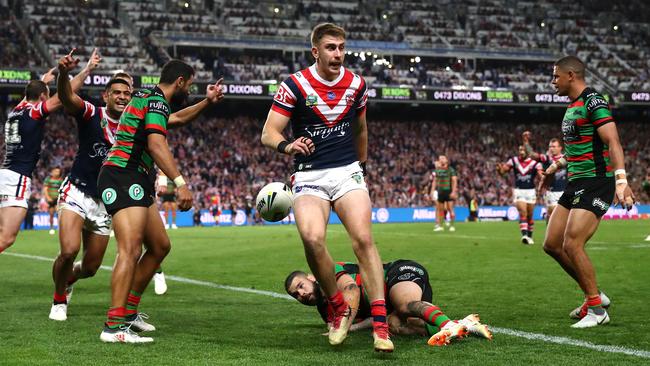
(433, 315)
(115, 317)
(59, 298)
(132, 303)
(594, 301)
(378, 313)
(338, 302)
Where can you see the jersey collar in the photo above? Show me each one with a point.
(314, 72)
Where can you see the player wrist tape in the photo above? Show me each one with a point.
(561, 162)
(282, 146)
(179, 181)
(618, 172)
(621, 181)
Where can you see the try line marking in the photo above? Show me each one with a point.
(496, 330)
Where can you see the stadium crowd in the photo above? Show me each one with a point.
(223, 156)
(617, 55)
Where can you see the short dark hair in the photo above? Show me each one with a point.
(572, 63)
(326, 29)
(34, 89)
(116, 80)
(173, 70)
(555, 139)
(124, 75)
(290, 278)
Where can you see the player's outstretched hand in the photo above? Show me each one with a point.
(526, 136)
(48, 77)
(67, 63)
(302, 145)
(93, 61)
(624, 196)
(184, 198)
(214, 92)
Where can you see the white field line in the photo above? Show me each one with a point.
(496, 330)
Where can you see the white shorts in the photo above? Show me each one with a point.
(525, 195)
(91, 210)
(15, 189)
(551, 198)
(328, 184)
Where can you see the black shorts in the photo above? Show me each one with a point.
(403, 270)
(168, 197)
(591, 194)
(444, 196)
(51, 204)
(120, 188)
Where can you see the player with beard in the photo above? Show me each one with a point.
(127, 192)
(24, 131)
(326, 105)
(409, 295)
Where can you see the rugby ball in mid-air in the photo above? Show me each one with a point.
(274, 201)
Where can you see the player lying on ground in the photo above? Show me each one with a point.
(408, 302)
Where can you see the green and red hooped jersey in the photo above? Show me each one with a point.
(443, 178)
(587, 154)
(147, 113)
(52, 185)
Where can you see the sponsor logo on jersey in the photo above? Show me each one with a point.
(109, 196)
(412, 269)
(597, 202)
(136, 192)
(311, 100)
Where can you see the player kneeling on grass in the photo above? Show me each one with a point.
(408, 302)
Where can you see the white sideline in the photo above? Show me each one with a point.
(496, 330)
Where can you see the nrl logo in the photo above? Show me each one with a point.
(311, 100)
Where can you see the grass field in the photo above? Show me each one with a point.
(479, 268)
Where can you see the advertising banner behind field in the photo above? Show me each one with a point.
(379, 216)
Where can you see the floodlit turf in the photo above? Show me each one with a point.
(481, 268)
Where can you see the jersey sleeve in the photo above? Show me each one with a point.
(155, 120)
(284, 101)
(453, 172)
(88, 111)
(362, 99)
(598, 110)
(39, 111)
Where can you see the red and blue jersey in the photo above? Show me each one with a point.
(560, 178)
(96, 136)
(524, 171)
(24, 132)
(323, 111)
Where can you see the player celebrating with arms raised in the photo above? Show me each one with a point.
(24, 131)
(127, 191)
(596, 172)
(554, 184)
(525, 170)
(81, 213)
(326, 105)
